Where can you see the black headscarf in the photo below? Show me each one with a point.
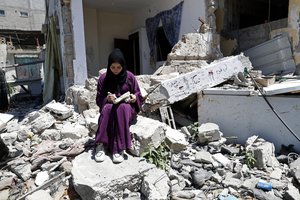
(114, 82)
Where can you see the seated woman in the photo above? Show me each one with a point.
(113, 131)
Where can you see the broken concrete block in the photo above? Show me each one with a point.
(51, 134)
(158, 79)
(199, 177)
(81, 98)
(276, 174)
(9, 138)
(91, 83)
(180, 87)
(91, 113)
(150, 133)
(21, 168)
(263, 152)
(175, 140)
(12, 126)
(107, 180)
(41, 177)
(292, 193)
(232, 182)
(209, 132)
(24, 133)
(73, 131)
(203, 157)
(32, 116)
(194, 46)
(4, 118)
(40, 194)
(295, 169)
(42, 123)
(155, 184)
(59, 110)
(181, 66)
(220, 158)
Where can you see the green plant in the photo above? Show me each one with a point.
(249, 159)
(193, 128)
(160, 156)
(10, 89)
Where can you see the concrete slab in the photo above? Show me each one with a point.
(4, 118)
(178, 88)
(283, 87)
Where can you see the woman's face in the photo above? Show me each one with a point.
(116, 68)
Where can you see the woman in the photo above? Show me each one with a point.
(113, 132)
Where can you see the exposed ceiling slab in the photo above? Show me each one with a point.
(120, 6)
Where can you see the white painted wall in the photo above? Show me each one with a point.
(244, 116)
(192, 10)
(116, 25)
(101, 28)
(91, 40)
(79, 63)
(111, 26)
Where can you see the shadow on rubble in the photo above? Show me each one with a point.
(21, 104)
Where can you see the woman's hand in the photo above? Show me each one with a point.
(132, 98)
(111, 97)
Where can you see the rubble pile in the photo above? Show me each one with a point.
(48, 152)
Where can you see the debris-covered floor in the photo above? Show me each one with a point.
(46, 154)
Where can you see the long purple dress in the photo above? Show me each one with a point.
(115, 119)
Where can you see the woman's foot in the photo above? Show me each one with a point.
(99, 153)
(118, 157)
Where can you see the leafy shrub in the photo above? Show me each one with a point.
(160, 156)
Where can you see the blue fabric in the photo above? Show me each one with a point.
(151, 26)
(171, 21)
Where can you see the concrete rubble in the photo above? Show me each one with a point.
(47, 163)
(46, 151)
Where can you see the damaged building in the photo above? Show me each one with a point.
(205, 31)
(21, 44)
(219, 121)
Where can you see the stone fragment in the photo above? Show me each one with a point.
(4, 118)
(59, 110)
(12, 126)
(263, 152)
(42, 123)
(107, 180)
(182, 86)
(155, 184)
(148, 132)
(222, 159)
(73, 131)
(51, 134)
(175, 139)
(203, 157)
(9, 138)
(41, 177)
(209, 132)
(38, 195)
(21, 168)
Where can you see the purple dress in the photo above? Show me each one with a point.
(115, 119)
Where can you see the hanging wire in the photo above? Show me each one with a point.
(272, 108)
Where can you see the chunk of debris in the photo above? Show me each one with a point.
(180, 87)
(59, 110)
